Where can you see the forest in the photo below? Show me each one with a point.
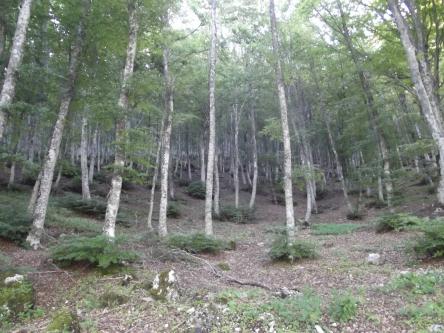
(221, 166)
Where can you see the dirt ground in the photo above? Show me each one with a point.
(341, 266)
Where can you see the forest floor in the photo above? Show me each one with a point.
(386, 302)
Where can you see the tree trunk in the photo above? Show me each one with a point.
(166, 139)
(236, 156)
(112, 206)
(154, 181)
(92, 158)
(217, 186)
(212, 125)
(288, 186)
(12, 174)
(202, 159)
(84, 159)
(15, 60)
(41, 205)
(34, 194)
(255, 171)
(423, 83)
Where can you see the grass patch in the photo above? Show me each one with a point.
(281, 250)
(60, 218)
(14, 220)
(422, 316)
(98, 251)
(334, 229)
(417, 283)
(173, 210)
(196, 190)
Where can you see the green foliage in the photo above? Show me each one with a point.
(422, 316)
(397, 222)
(94, 208)
(14, 221)
(99, 251)
(64, 320)
(297, 311)
(343, 307)
(15, 299)
(111, 298)
(224, 266)
(68, 170)
(282, 250)
(60, 218)
(334, 229)
(196, 190)
(30, 173)
(355, 215)
(432, 243)
(240, 215)
(417, 283)
(173, 210)
(196, 243)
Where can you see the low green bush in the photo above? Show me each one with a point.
(64, 320)
(15, 299)
(14, 222)
(173, 210)
(112, 298)
(334, 229)
(343, 307)
(196, 190)
(432, 243)
(396, 222)
(282, 250)
(241, 215)
(355, 215)
(417, 283)
(197, 243)
(99, 251)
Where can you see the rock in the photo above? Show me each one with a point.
(285, 292)
(319, 329)
(165, 286)
(17, 278)
(127, 279)
(436, 328)
(374, 259)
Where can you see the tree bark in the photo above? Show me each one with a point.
(423, 83)
(92, 158)
(255, 169)
(84, 159)
(166, 140)
(112, 206)
(41, 205)
(15, 59)
(217, 186)
(154, 181)
(212, 125)
(288, 186)
(236, 155)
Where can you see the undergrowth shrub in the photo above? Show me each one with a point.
(93, 208)
(282, 250)
(242, 215)
(173, 210)
(334, 229)
(396, 222)
(197, 243)
(417, 283)
(355, 215)
(196, 190)
(99, 251)
(432, 243)
(64, 320)
(343, 307)
(15, 299)
(14, 222)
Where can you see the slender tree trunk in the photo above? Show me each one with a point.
(12, 174)
(236, 156)
(84, 159)
(217, 186)
(59, 176)
(154, 181)
(288, 186)
(202, 159)
(212, 125)
(255, 168)
(35, 191)
(423, 83)
(2, 37)
(15, 59)
(166, 138)
(92, 158)
(41, 205)
(112, 206)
